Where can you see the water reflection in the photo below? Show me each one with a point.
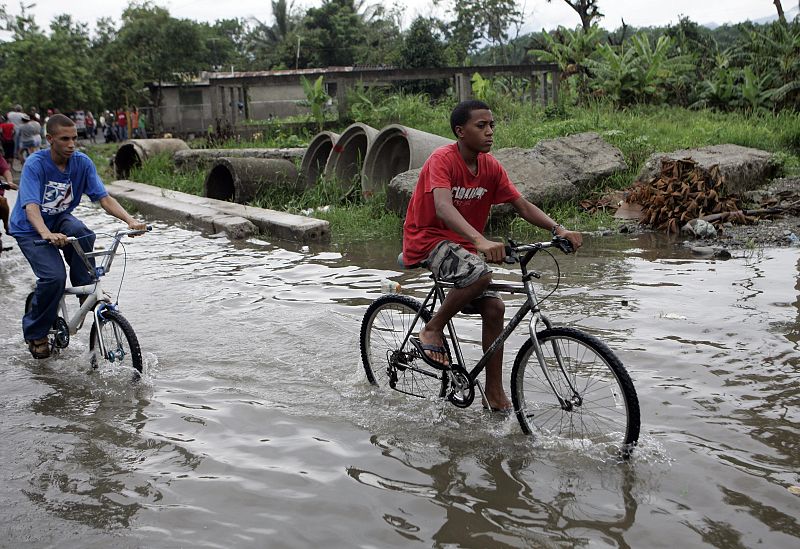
(260, 428)
(491, 500)
(88, 469)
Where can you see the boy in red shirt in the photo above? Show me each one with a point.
(443, 231)
(7, 130)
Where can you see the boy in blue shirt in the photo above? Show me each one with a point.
(50, 187)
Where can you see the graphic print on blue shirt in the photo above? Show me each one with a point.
(57, 197)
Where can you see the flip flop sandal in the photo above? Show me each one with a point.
(422, 347)
(39, 348)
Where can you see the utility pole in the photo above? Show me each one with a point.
(297, 56)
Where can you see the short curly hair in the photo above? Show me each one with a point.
(462, 112)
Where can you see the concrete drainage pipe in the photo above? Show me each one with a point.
(316, 157)
(396, 149)
(346, 160)
(133, 152)
(241, 179)
(200, 159)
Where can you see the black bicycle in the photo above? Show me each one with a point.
(565, 382)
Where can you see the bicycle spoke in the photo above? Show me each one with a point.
(587, 376)
(386, 324)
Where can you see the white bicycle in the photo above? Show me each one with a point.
(112, 340)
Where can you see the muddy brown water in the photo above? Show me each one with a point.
(255, 426)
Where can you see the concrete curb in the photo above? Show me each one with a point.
(236, 220)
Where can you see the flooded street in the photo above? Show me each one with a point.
(255, 426)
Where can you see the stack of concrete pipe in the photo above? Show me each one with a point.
(395, 150)
(316, 157)
(133, 152)
(201, 159)
(239, 174)
(380, 155)
(241, 179)
(346, 159)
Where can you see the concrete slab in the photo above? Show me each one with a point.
(236, 220)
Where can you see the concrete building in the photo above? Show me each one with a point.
(230, 98)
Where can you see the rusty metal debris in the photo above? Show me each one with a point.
(684, 191)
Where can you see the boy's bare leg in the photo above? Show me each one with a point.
(493, 314)
(4, 212)
(456, 299)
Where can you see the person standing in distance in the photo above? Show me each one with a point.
(443, 232)
(50, 188)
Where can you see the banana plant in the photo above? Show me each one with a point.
(316, 98)
(482, 87)
(754, 90)
(570, 50)
(637, 71)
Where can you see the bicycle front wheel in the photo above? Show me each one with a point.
(598, 408)
(119, 340)
(383, 330)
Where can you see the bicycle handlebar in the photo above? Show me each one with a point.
(513, 249)
(121, 232)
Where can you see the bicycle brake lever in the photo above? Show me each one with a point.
(511, 255)
(563, 244)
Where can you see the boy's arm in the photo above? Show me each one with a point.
(443, 200)
(535, 216)
(33, 212)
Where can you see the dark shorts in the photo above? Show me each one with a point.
(449, 262)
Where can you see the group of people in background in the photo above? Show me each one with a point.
(123, 123)
(22, 133)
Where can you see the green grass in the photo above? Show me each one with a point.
(160, 172)
(637, 131)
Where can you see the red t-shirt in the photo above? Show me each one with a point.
(473, 197)
(121, 119)
(7, 129)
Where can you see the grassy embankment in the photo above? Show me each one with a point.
(638, 132)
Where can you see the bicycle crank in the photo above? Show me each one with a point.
(61, 336)
(462, 391)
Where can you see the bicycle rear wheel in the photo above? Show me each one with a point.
(386, 323)
(119, 340)
(603, 412)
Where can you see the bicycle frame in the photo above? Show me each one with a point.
(94, 292)
(531, 305)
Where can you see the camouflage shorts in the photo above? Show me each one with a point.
(450, 262)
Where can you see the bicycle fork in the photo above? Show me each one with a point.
(566, 404)
(98, 322)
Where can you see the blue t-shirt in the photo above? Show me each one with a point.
(55, 191)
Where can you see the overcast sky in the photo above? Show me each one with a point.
(538, 13)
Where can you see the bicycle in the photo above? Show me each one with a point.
(112, 340)
(564, 381)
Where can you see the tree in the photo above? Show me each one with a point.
(779, 7)
(264, 41)
(477, 20)
(423, 47)
(587, 10)
(327, 36)
(48, 71)
(164, 49)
